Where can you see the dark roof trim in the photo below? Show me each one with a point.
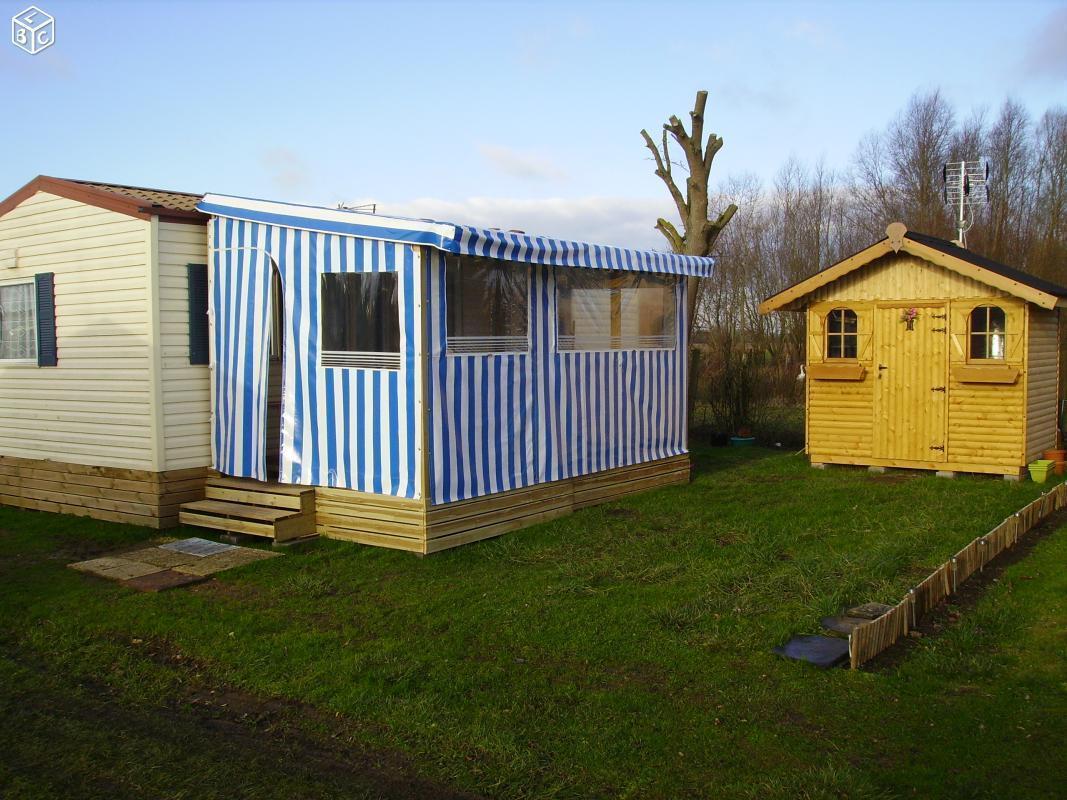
(963, 254)
(100, 198)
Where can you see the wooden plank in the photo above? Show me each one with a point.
(488, 531)
(394, 542)
(225, 524)
(238, 510)
(367, 525)
(517, 512)
(975, 373)
(290, 501)
(351, 495)
(249, 485)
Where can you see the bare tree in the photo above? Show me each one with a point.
(699, 232)
(1010, 153)
(1050, 205)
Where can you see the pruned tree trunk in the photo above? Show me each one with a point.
(698, 233)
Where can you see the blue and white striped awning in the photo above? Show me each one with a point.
(451, 238)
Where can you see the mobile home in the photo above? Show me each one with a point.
(104, 391)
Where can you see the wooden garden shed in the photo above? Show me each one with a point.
(922, 354)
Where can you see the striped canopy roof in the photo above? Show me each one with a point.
(451, 238)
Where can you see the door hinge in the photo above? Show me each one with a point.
(938, 389)
(939, 316)
(939, 330)
(940, 447)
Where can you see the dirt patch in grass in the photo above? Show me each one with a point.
(966, 597)
(330, 748)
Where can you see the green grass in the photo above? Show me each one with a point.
(622, 651)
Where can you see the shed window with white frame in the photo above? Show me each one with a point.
(18, 322)
(602, 310)
(487, 304)
(360, 320)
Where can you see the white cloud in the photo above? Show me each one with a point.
(1046, 56)
(520, 164)
(286, 169)
(619, 221)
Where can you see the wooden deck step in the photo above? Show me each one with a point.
(249, 485)
(296, 502)
(277, 511)
(222, 508)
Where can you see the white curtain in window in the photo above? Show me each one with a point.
(591, 309)
(18, 322)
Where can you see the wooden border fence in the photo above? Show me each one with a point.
(871, 638)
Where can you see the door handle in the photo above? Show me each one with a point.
(881, 367)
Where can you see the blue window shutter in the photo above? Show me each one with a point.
(199, 350)
(47, 353)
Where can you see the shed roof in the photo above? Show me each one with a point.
(930, 248)
(133, 201)
(452, 238)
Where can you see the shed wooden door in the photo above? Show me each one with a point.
(910, 394)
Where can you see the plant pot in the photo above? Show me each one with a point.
(742, 441)
(1040, 469)
(1059, 457)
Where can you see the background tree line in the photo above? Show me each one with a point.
(811, 216)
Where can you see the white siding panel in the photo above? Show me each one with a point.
(93, 407)
(186, 388)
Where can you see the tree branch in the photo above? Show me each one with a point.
(664, 174)
(674, 238)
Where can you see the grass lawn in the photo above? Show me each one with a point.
(620, 652)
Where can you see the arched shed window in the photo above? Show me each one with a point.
(987, 332)
(842, 333)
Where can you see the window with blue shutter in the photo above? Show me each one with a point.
(199, 350)
(47, 352)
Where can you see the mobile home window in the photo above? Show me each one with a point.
(611, 310)
(487, 305)
(842, 333)
(18, 322)
(360, 320)
(987, 332)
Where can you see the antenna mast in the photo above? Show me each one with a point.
(966, 185)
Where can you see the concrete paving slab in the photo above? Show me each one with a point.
(161, 581)
(116, 569)
(868, 610)
(842, 624)
(159, 557)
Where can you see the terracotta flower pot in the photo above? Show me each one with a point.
(1060, 457)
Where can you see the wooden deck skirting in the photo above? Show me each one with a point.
(411, 525)
(137, 497)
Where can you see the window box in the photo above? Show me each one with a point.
(837, 372)
(985, 373)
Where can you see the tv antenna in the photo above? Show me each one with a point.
(367, 208)
(966, 186)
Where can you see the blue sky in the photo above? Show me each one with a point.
(513, 114)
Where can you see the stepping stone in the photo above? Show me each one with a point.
(116, 569)
(159, 557)
(822, 651)
(842, 624)
(237, 557)
(161, 581)
(868, 610)
(197, 547)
